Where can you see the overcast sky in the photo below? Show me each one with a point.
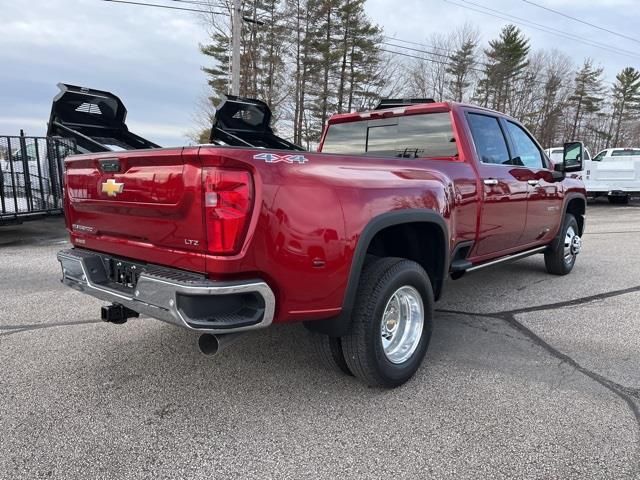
(150, 58)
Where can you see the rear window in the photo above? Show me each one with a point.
(412, 136)
(626, 153)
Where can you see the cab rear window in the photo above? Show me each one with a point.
(411, 136)
(626, 153)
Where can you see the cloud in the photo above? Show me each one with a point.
(150, 58)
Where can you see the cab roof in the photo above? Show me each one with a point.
(402, 110)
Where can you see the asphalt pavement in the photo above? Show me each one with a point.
(528, 376)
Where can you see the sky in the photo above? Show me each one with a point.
(150, 57)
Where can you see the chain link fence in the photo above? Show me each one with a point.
(31, 175)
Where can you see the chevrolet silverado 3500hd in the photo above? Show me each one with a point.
(355, 241)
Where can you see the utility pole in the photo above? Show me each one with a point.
(235, 43)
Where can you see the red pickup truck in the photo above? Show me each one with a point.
(356, 241)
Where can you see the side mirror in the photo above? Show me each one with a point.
(572, 157)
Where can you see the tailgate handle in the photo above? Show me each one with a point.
(110, 165)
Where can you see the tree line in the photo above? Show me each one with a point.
(309, 59)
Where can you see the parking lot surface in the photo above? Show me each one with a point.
(528, 376)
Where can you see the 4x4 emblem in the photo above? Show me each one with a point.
(275, 158)
(112, 188)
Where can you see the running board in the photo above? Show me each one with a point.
(508, 258)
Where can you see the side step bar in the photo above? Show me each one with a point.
(508, 258)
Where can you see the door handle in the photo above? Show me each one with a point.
(533, 183)
(490, 181)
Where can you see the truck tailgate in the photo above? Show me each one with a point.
(619, 174)
(144, 204)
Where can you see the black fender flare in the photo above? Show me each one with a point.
(565, 205)
(339, 325)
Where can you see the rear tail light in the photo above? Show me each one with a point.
(228, 198)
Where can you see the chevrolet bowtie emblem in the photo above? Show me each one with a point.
(112, 188)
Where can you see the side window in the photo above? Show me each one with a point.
(599, 156)
(489, 140)
(525, 149)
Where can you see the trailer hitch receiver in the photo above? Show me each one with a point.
(116, 313)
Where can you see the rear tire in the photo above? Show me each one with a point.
(618, 199)
(391, 323)
(329, 351)
(559, 260)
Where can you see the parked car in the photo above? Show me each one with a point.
(356, 241)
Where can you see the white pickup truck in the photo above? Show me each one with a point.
(614, 173)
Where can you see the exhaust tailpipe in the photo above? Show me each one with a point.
(210, 344)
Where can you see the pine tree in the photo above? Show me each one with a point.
(506, 62)
(368, 73)
(587, 97)
(219, 74)
(554, 95)
(461, 69)
(328, 55)
(626, 100)
(263, 42)
(337, 62)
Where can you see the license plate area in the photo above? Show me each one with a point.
(122, 273)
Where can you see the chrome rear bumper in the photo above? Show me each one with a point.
(174, 296)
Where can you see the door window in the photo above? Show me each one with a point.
(489, 139)
(526, 151)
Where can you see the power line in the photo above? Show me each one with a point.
(415, 56)
(395, 39)
(544, 28)
(417, 50)
(479, 70)
(441, 62)
(449, 64)
(582, 21)
(156, 5)
(195, 2)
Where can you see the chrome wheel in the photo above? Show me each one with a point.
(572, 245)
(402, 324)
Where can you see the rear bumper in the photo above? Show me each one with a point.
(174, 296)
(612, 189)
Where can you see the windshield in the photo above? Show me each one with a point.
(412, 136)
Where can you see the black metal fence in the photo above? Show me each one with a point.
(31, 176)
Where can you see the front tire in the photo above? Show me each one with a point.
(391, 325)
(560, 259)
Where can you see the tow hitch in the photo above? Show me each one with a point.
(116, 313)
